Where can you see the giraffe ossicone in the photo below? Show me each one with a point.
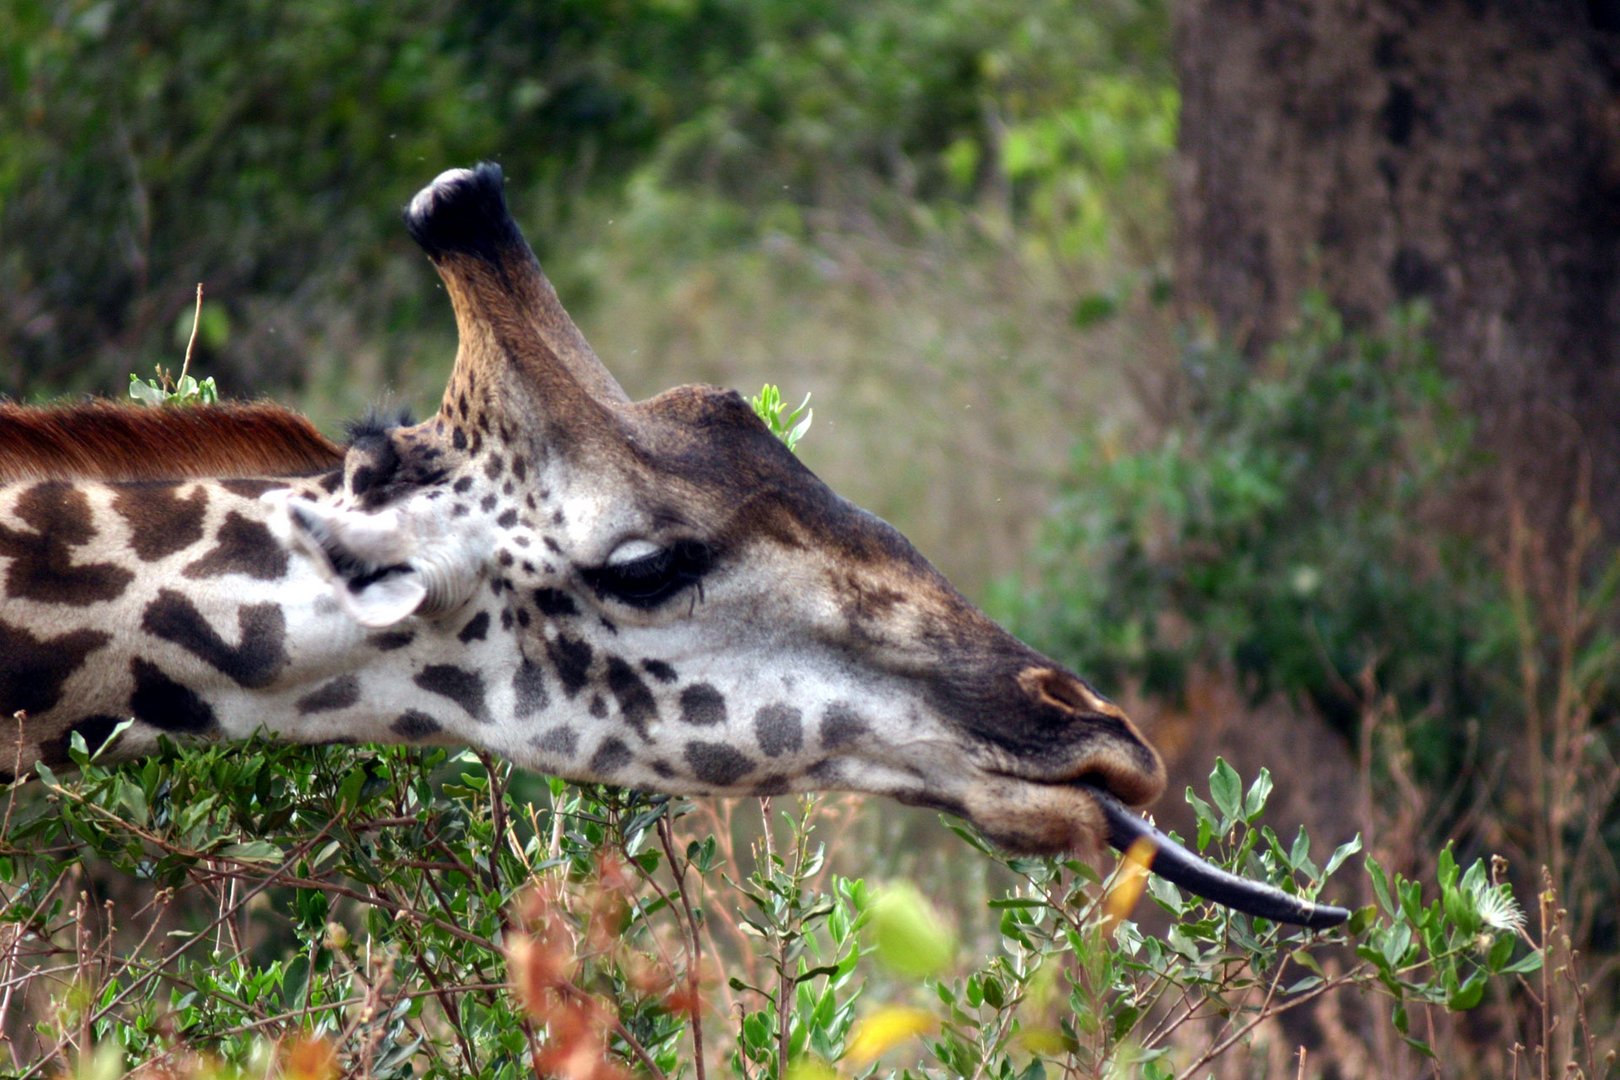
(653, 594)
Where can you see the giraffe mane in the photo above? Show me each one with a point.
(102, 440)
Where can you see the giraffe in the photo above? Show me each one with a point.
(652, 594)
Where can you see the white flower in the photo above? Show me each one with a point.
(1497, 908)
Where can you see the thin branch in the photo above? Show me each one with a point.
(695, 944)
(196, 321)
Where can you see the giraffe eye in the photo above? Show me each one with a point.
(647, 580)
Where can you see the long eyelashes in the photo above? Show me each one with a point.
(654, 578)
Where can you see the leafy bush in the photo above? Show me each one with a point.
(1293, 526)
(1278, 531)
(422, 914)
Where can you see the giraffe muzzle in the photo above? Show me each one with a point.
(1181, 867)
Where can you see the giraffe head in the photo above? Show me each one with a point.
(659, 594)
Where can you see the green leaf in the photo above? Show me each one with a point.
(1530, 963)
(1469, 994)
(1259, 791)
(147, 393)
(1226, 789)
(1445, 870)
(1341, 853)
(252, 851)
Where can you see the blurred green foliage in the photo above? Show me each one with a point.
(1279, 531)
(265, 150)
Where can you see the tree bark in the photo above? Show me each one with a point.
(1463, 152)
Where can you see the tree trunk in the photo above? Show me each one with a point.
(1464, 153)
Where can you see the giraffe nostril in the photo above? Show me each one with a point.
(1059, 690)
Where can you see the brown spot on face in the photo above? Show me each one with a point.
(477, 629)
(391, 640)
(242, 547)
(841, 726)
(255, 662)
(659, 670)
(636, 704)
(780, 729)
(42, 566)
(716, 763)
(554, 603)
(160, 522)
(774, 784)
(610, 757)
(528, 689)
(461, 686)
(560, 740)
(412, 725)
(701, 704)
(33, 670)
(572, 660)
(339, 693)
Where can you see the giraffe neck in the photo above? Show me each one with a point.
(177, 605)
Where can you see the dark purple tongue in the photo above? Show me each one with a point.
(1176, 864)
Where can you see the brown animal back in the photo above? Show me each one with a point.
(102, 440)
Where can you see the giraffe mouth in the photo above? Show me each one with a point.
(1181, 867)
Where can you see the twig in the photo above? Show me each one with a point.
(1227, 1043)
(695, 944)
(196, 321)
(300, 852)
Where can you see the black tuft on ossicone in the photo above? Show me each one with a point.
(463, 212)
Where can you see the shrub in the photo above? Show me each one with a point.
(378, 902)
(1277, 531)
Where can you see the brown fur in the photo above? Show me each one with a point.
(101, 440)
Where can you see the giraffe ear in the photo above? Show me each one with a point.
(383, 566)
